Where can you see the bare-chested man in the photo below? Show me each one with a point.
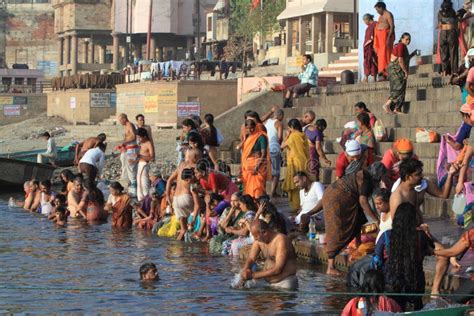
(279, 255)
(33, 199)
(140, 118)
(384, 37)
(183, 203)
(147, 154)
(88, 143)
(129, 154)
(411, 187)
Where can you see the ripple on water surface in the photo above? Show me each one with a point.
(58, 262)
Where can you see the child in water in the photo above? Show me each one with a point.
(149, 272)
(61, 216)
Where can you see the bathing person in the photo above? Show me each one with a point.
(149, 272)
(129, 153)
(47, 197)
(279, 255)
(119, 204)
(32, 200)
(77, 199)
(85, 145)
(147, 154)
(92, 163)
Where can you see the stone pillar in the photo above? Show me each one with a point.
(116, 49)
(67, 60)
(152, 48)
(316, 29)
(300, 36)
(61, 50)
(92, 50)
(160, 54)
(86, 51)
(329, 32)
(189, 47)
(103, 51)
(289, 39)
(74, 42)
(174, 53)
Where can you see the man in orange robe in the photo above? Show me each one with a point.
(384, 37)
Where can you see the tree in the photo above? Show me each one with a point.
(246, 22)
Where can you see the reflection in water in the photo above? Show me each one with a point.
(105, 261)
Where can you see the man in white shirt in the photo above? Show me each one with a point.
(92, 163)
(311, 194)
(50, 150)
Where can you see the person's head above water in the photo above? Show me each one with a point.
(149, 272)
(261, 231)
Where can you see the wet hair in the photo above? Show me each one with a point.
(301, 174)
(308, 57)
(61, 197)
(362, 106)
(190, 123)
(364, 118)
(368, 16)
(61, 210)
(255, 116)
(321, 124)
(46, 134)
(295, 124)
(404, 265)
(46, 183)
(142, 132)
(248, 201)
(250, 123)
(117, 186)
(187, 173)
(94, 194)
(373, 283)
(102, 137)
(404, 35)
(145, 268)
(139, 116)
(209, 119)
(69, 178)
(381, 5)
(382, 193)
(376, 172)
(409, 167)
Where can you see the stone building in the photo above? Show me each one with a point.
(27, 35)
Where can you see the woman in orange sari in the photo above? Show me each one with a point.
(254, 160)
(297, 158)
(119, 204)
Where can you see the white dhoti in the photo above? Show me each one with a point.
(143, 180)
(128, 159)
(183, 205)
(41, 158)
(289, 283)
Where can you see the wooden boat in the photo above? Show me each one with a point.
(15, 172)
(448, 311)
(65, 156)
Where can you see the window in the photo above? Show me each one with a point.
(19, 81)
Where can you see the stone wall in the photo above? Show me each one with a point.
(82, 105)
(30, 37)
(82, 16)
(15, 108)
(160, 101)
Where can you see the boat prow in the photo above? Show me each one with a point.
(15, 172)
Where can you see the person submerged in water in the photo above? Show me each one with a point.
(279, 255)
(149, 272)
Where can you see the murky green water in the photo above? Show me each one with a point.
(55, 263)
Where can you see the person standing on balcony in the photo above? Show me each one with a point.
(384, 37)
(308, 79)
(370, 57)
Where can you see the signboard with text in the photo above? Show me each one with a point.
(11, 110)
(72, 102)
(186, 109)
(151, 104)
(100, 100)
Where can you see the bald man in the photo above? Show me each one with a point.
(279, 254)
(308, 119)
(129, 154)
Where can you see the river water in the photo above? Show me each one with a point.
(94, 269)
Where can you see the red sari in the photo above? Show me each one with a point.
(122, 212)
(370, 57)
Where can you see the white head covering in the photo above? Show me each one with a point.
(469, 53)
(353, 148)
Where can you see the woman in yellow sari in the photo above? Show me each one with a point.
(297, 158)
(254, 160)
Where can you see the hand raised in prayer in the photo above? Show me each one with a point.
(261, 207)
